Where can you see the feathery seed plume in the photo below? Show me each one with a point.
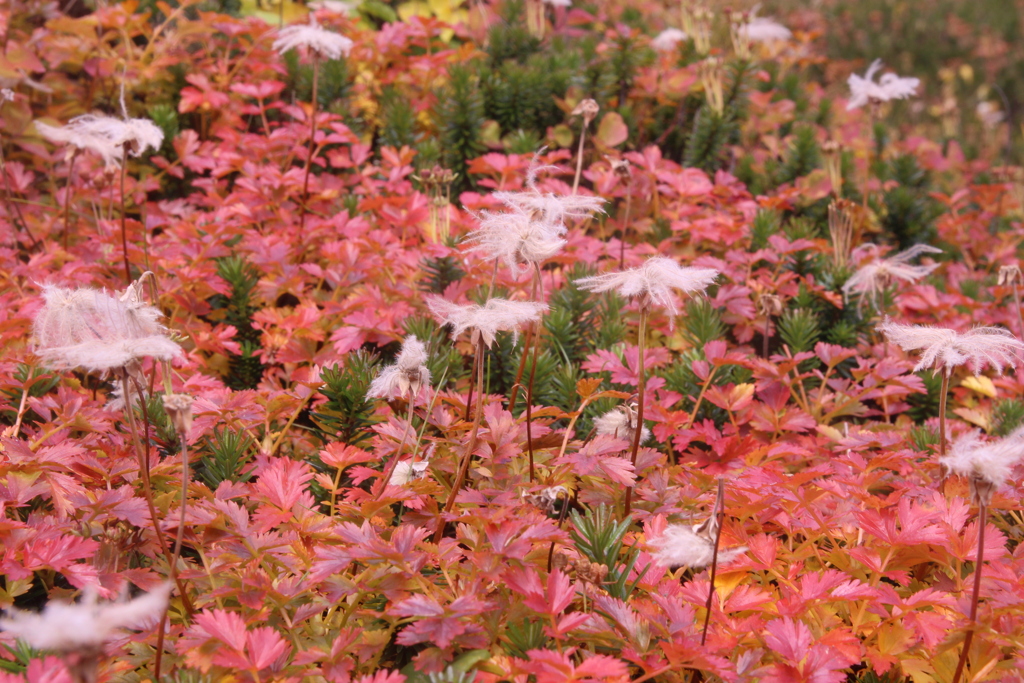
(764, 30)
(407, 471)
(871, 279)
(682, 545)
(515, 238)
(487, 320)
(666, 40)
(408, 374)
(84, 627)
(620, 422)
(96, 331)
(945, 349)
(326, 44)
(863, 89)
(653, 282)
(986, 465)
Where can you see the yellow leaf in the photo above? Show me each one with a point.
(980, 384)
(919, 670)
(894, 639)
(975, 416)
(725, 584)
(272, 11)
(830, 432)
(561, 135)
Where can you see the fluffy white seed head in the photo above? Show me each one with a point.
(681, 545)
(516, 239)
(889, 87)
(497, 315)
(96, 331)
(667, 40)
(653, 283)
(407, 471)
(872, 278)
(764, 30)
(986, 465)
(406, 376)
(326, 44)
(945, 349)
(85, 626)
(620, 423)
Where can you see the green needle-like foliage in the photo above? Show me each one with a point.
(347, 414)
(439, 272)
(459, 116)
(245, 370)
(226, 455)
(702, 323)
(524, 636)
(598, 537)
(799, 329)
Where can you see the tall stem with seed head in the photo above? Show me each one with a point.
(312, 143)
(1020, 318)
(719, 514)
(67, 198)
(943, 395)
(639, 426)
(460, 477)
(390, 470)
(579, 158)
(124, 220)
(975, 594)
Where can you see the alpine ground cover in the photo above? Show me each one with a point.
(509, 341)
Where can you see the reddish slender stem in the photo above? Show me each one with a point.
(641, 340)
(720, 517)
(976, 593)
(312, 142)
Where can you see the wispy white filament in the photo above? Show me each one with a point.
(654, 282)
(945, 349)
(863, 89)
(405, 377)
(487, 320)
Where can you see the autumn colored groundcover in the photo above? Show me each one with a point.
(514, 341)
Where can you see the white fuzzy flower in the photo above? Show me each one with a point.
(666, 40)
(548, 208)
(558, 3)
(989, 113)
(620, 423)
(83, 138)
(986, 465)
(87, 625)
(406, 376)
(326, 44)
(653, 282)
(889, 87)
(945, 349)
(6, 95)
(871, 279)
(107, 136)
(407, 471)
(487, 320)
(764, 30)
(97, 331)
(515, 239)
(336, 6)
(681, 545)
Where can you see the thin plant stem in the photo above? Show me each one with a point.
(538, 282)
(147, 489)
(767, 331)
(622, 236)
(976, 593)
(641, 340)
(16, 215)
(943, 392)
(1020, 318)
(312, 142)
(390, 469)
(579, 158)
(124, 219)
(719, 518)
(472, 382)
(533, 373)
(67, 198)
(460, 477)
(179, 539)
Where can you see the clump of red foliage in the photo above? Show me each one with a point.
(860, 556)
